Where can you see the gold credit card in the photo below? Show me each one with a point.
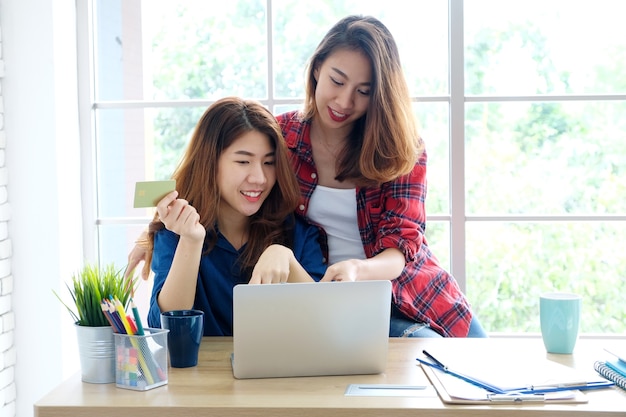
(149, 193)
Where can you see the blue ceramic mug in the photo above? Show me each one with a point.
(186, 328)
(560, 318)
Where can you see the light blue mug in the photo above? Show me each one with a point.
(560, 318)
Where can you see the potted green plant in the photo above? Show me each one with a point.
(88, 288)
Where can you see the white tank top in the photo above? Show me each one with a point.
(335, 210)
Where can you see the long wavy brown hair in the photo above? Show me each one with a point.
(384, 144)
(196, 177)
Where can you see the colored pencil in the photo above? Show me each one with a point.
(122, 314)
(137, 317)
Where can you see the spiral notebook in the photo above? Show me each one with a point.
(613, 370)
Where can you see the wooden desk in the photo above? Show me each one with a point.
(210, 389)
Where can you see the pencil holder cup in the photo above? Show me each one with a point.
(141, 361)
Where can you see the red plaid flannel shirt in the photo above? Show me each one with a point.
(392, 216)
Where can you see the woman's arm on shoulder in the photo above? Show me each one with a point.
(137, 255)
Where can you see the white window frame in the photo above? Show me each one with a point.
(457, 217)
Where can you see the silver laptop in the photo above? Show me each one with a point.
(310, 329)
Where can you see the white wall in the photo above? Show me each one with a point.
(42, 158)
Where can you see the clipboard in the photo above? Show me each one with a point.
(452, 390)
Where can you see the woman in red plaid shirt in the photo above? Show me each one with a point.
(361, 166)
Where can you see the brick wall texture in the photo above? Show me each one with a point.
(7, 319)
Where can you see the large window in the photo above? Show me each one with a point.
(521, 106)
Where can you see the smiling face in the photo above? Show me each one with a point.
(246, 175)
(342, 94)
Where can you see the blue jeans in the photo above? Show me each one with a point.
(401, 326)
